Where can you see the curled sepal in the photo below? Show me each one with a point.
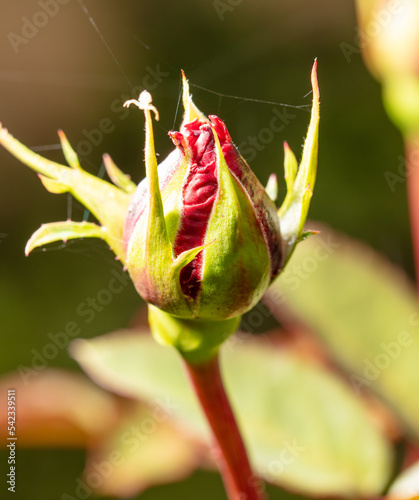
(63, 231)
(191, 111)
(123, 181)
(106, 202)
(196, 340)
(300, 182)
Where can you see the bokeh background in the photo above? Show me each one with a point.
(63, 76)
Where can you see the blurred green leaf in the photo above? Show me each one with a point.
(365, 310)
(142, 451)
(130, 446)
(304, 429)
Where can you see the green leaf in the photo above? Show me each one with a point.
(143, 450)
(123, 181)
(304, 428)
(365, 310)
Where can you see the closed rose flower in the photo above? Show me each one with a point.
(200, 236)
(210, 244)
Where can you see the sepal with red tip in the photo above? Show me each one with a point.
(300, 179)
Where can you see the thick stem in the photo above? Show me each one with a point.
(412, 159)
(239, 480)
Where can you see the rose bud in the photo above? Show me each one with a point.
(202, 236)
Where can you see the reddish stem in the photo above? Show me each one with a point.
(239, 480)
(412, 159)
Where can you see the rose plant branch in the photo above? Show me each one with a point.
(230, 453)
(201, 239)
(413, 195)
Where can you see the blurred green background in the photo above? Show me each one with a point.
(63, 76)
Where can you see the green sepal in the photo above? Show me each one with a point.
(69, 154)
(52, 186)
(306, 234)
(158, 251)
(300, 183)
(196, 340)
(272, 187)
(191, 111)
(106, 202)
(185, 257)
(238, 259)
(123, 181)
(63, 231)
(151, 261)
(157, 238)
(290, 168)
